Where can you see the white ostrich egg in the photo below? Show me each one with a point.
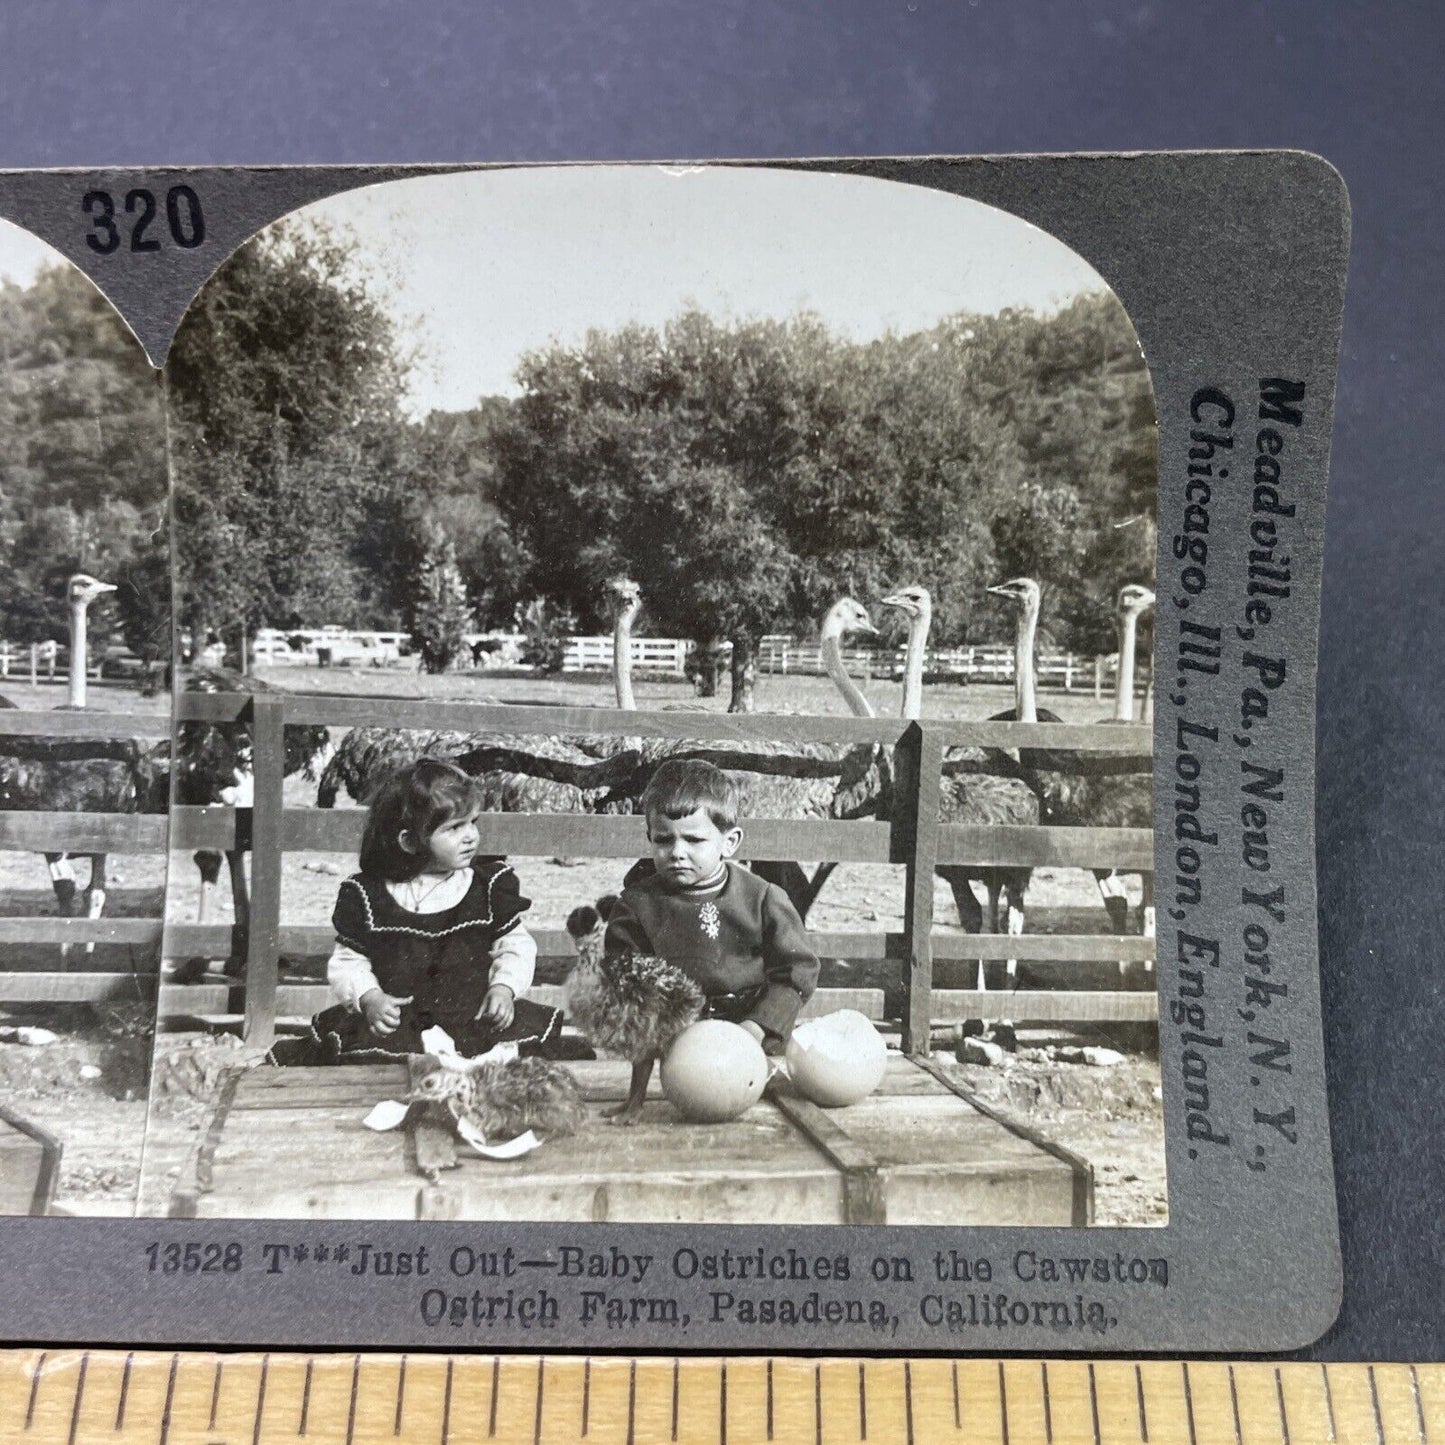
(714, 1071)
(838, 1059)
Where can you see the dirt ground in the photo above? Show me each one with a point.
(1112, 1117)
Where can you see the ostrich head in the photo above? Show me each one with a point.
(845, 616)
(913, 602)
(627, 593)
(1135, 598)
(83, 589)
(1023, 592)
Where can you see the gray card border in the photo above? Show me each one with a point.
(1232, 268)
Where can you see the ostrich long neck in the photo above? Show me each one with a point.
(78, 659)
(858, 705)
(913, 665)
(1026, 703)
(1124, 684)
(622, 658)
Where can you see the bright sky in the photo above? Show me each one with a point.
(21, 255)
(479, 268)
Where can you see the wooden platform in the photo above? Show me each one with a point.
(289, 1143)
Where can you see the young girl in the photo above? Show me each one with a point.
(427, 933)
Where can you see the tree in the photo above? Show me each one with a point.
(437, 611)
(284, 389)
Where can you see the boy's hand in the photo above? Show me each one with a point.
(382, 1011)
(497, 1006)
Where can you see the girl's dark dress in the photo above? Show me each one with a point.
(441, 960)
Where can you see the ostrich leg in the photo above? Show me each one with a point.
(626, 1112)
(95, 891)
(62, 880)
(241, 893)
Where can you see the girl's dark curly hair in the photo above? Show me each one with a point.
(418, 799)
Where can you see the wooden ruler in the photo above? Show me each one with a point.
(73, 1397)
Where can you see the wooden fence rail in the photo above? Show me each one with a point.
(86, 978)
(913, 837)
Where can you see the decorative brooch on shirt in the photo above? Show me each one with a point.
(709, 919)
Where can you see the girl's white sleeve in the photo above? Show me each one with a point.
(350, 976)
(514, 960)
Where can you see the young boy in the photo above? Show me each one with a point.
(737, 936)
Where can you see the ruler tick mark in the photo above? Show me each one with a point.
(170, 1396)
(1374, 1401)
(1234, 1405)
(1094, 1402)
(355, 1390)
(216, 1392)
(908, 1399)
(34, 1388)
(1048, 1415)
(1003, 1402)
(1283, 1416)
(496, 1386)
(79, 1392)
(817, 1405)
(1143, 1414)
(862, 1403)
(957, 1408)
(305, 1399)
(260, 1400)
(676, 1374)
(1419, 1409)
(770, 1397)
(447, 1406)
(1189, 1403)
(631, 1401)
(541, 1382)
(723, 1406)
(587, 1392)
(124, 1391)
(400, 1396)
(1329, 1400)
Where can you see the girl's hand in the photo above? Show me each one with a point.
(382, 1011)
(497, 1007)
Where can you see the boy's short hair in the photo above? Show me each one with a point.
(417, 798)
(689, 785)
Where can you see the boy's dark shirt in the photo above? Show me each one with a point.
(740, 938)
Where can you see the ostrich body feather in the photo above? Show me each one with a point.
(633, 1005)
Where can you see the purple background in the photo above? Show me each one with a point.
(130, 82)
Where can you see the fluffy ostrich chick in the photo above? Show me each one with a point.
(504, 1099)
(633, 1005)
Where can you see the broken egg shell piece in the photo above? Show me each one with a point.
(386, 1115)
(511, 1149)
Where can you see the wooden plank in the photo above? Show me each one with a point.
(304, 940)
(268, 743)
(137, 932)
(29, 1165)
(1045, 947)
(863, 1197)
(424, 715)
(1048, 1006)
(1131, 850)
(97, 987)
(1082, 1170)
(547, 835)
(38, 722)
(221, 829)
(83, 832)
(918, 764)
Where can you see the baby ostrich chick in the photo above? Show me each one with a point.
(505, 1099)
(633, 1005)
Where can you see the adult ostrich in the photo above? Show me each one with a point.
(80, 775)
(783, 780)
(978, 790)
(1072, 792)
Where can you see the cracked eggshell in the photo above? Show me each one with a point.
(838, 1059)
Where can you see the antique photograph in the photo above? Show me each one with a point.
(85, 656)
(664, 695)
